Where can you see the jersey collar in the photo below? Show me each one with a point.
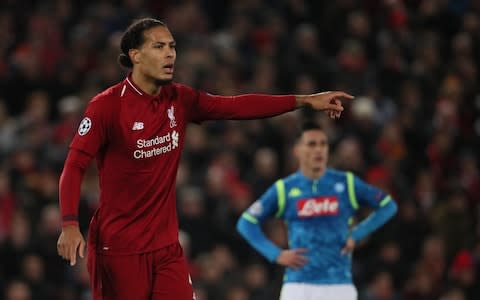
(135, 88)
(301, 175)
(165, 91)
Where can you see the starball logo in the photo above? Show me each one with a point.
(318, 206)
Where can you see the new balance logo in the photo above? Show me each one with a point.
(137, 126)
(319, 206)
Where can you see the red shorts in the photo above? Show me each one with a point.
(161, 274)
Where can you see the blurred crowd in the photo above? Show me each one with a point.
(412, 130)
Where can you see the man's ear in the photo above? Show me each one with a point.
(296, 150)
(135, 55)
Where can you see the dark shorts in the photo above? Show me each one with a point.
(161, 274)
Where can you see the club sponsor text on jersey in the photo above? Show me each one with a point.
(162, 144)
(317, 206)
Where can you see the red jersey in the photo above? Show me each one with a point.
(137, 140)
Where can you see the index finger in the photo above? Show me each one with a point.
(343, 95)
(73, 255)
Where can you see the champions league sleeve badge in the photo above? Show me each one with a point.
(84, 126)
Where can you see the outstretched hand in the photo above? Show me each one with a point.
(330, 102)
(69, 243)
(292, 258)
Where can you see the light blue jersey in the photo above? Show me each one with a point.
(317, 213)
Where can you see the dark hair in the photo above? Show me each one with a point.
(307, 125)
(133, 38)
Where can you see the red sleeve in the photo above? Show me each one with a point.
(70, 183)
(92, 131)
(249, 106)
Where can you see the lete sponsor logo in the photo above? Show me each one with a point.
(318, 206)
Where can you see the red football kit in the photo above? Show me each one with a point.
(137, 140)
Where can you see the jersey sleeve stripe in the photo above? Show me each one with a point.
(249, 218)
(69, 218)
(385, 201)
(281, 197)
(351, 191)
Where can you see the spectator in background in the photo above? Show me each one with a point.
(464, 274)
(8, 129)
(256, 281)
(18, 290)
(33, 271)
(453, 294)
(380, 288)
(18, 244)
(451, 220)
(7, 205)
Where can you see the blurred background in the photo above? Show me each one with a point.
(413, 130)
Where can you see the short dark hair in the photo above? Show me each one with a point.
(306, 126)
(133, 38)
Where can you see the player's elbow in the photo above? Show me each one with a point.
(247, 222)
(392, 208)
(241, 227)
(245, 228)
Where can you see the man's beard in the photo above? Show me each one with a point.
(163, 81)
